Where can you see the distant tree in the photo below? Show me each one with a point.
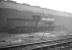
(25, 4)
(10, 1)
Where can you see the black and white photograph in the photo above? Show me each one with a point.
(35, 25)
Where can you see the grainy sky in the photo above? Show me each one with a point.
(60, 5)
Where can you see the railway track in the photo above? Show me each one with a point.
(61, 44)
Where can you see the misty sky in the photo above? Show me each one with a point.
(60, 5)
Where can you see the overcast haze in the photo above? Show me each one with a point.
(60, 5)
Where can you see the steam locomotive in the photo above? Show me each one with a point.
(12, 21)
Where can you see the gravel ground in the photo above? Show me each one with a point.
(18, 39)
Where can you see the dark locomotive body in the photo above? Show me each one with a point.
(10, 23)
